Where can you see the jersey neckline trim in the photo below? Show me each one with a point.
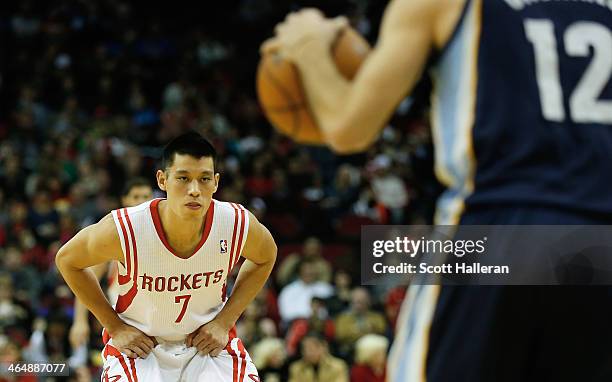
(162, 236)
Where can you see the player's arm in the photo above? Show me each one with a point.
(79, 331)
(260, 254)
(96, 244)
(351, 114)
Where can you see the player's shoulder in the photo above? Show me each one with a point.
(103, 234)
(144, 207)
(234, 211)
(227, 207)
(135, 214)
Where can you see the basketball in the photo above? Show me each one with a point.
(280, 91)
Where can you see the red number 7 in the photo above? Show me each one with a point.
(177, 299)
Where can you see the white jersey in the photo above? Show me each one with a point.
(167, 296)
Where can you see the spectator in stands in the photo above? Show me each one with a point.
(15, 316)
(341, 299)
(43, 218)
(294, 299)
(269, 355)
(389, 190)
(344, 192)
(316, 364)
(319, 322)
(370, 359)
(10, 354)
(25, 279)
(49, 341)
(311, 250)
(393, 303)
(358, 321)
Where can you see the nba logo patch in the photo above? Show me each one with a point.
(223, 246)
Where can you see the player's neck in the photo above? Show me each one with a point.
(182, 234)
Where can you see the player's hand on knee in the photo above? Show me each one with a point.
(210, 338)
(132, 342)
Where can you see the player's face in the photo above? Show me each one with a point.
(137, 195)
(189, 184)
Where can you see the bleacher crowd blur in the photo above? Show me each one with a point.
(90, 90)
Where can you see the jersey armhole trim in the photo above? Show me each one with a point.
(437, 55)
(123, 279)
(242, 218)
(125, 300)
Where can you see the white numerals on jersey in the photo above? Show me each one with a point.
(579, 38)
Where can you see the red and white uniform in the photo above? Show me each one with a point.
(169, 297)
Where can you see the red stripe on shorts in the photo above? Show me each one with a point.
(133, 364)
(105, 336)
(110, 350)
(235, 362)
(243, 357)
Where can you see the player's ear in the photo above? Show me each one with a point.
(217, 177)
(161, 179)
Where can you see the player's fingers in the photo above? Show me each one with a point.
(269, 46)
(145, 347)
(148, 341)
(129, 353)
(139, 352)
(292, 16)
(207, 349)
(340, 22)
(312, 12)
(279, 28)
(215, 352)
(200, 339)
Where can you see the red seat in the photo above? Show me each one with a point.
(350, 226)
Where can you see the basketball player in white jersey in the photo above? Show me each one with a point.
(174, 320)
(136, 191)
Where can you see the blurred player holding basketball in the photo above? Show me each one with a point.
(136, 191)
(522, 124)
(173, 319)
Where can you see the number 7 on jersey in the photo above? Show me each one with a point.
(177, 300)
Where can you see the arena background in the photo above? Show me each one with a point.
(89, 92)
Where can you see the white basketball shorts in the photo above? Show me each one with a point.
(175, 362)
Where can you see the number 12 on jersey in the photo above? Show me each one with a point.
(177, 300)
(584, 103)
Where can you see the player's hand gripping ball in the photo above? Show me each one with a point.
(280, 90)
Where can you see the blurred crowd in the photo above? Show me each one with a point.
(90, 90)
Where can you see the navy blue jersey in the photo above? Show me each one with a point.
(522, 107)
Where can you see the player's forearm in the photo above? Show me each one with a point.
(249, 282)
(327, 91)
(86, 288)
(80, 311)
(346, 112)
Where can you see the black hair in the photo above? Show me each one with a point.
(134, 182)
(190, 143)
(314, 334)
